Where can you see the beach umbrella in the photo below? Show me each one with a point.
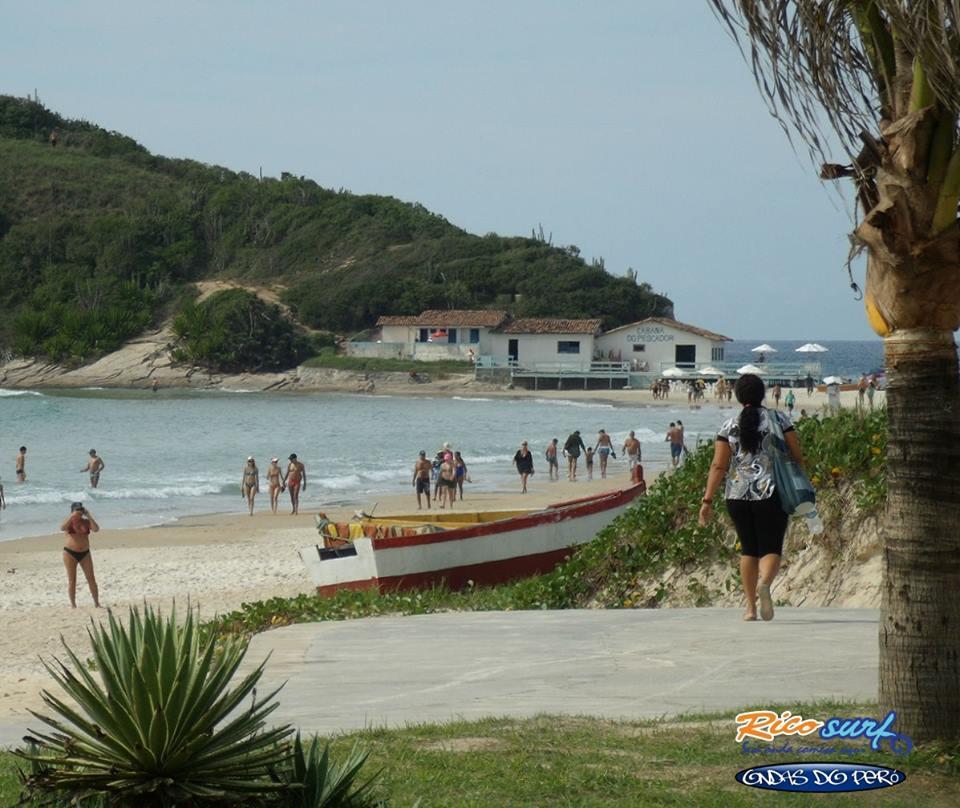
(765, 348)
(710, 371)
(833, 380)
(749, 369)
(811, 347)
(673, 373)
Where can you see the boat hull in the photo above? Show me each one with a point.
(481, 555)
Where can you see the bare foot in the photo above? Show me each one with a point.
(750, 614)
(766, 602)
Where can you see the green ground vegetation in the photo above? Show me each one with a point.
(329, 358)
(99, 238)
(845, 458)
(581, 761)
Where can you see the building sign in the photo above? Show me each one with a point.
(650, 333)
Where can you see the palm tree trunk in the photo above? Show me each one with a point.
(920, 611)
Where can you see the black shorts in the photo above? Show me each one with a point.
(761, 525)
(423, 485)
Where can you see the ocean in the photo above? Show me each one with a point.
(846, 358)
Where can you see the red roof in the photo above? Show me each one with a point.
(666, 321)
(452, 318)
(533, 325)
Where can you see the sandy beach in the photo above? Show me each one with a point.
(217, 562)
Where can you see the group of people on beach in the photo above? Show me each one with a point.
(572, 449)
(293, 479)
(445, 473)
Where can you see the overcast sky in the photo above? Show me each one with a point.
(630, 128)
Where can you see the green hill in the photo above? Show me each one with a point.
(99, 239)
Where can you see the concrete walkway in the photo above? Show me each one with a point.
(392, 671)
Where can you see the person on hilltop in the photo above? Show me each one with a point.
(572, 448)
(750, 493)
(94, 466)
(250, 483)
(421, 478)
(77, 528)
(295, 480)
(275, 483)
(604, 448)
(553, 463)
(523, 460)
(21, 465)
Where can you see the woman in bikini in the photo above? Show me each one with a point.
(274, 473)
(295, 480)
(76, 551)
(250, 484)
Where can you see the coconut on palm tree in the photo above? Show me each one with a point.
(882, 79)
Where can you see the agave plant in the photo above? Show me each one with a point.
(161, 726)
(312, 780)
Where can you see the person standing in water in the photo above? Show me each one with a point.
(295, 480)
(22, 465)
(94, 466)
(553, 464)
(631, 448)
(461, 472)
(250, 484)
(3, 501)
(274, 482)
(448, 480)
(421, 479)
(751, 493)
(604, 448)
(77, 528)
(675, 437)
(523, 460)
(572, 448)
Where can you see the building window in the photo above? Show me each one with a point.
(716, 354)
(424, 335)
(474, 336)
(568, 346)
(638, 348)
(685, 356)
(452, 336)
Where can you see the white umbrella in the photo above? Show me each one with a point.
(764, 349)
(710, 371)
(833, 380)
(811, 347)
(749, 369)
(673, 373)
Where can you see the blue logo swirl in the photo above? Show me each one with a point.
(820, 777)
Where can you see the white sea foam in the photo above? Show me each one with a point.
(562, 402)
(4, 393)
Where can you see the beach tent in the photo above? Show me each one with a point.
(833, 380)
(749, 369)
(812, 347)
(765, 348)
(710, 371)
(673, 373)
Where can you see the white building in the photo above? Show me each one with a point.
(657, 343)
(533, 341)
(438, 334)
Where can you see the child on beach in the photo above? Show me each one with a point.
(588, 459)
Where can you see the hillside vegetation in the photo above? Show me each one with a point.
(99, 239)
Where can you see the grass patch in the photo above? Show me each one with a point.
(580, 761)
(365, 364)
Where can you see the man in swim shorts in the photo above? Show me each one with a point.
(21, 464)
(675, 436)
(295, 480)
(553, 465)
(421, 478)
(631, 448)
(94, 465)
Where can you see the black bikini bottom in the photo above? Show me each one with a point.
(78, 555)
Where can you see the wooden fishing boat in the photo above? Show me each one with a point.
(457, 549)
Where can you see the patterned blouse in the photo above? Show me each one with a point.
(750, 476)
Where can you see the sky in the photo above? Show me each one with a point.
(630, 128)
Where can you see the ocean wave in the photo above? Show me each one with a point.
(4, 393)
(470, 398)
(563, 402)
(155, 493)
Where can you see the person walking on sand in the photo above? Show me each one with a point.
(523, 460)
(21, 466)
(77, 528)
(675, 437)
(553, 464)
(295, 480)
(421, 478)
(751, 495)
(274, 483)
(461, 472)
(94, 466)
(604, 448)
(588, 462)
(861, 390)
(871, 389)
(631, 449)
(789, 402)
(809, 385)
(250, 483)
(776, 396)
(572, 448)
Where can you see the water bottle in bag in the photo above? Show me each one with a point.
(808, 510)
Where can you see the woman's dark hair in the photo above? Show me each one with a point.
(749, 391)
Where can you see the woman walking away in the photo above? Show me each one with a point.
(250, 484)
(752, 499)
(523, 460)
(77, 527)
